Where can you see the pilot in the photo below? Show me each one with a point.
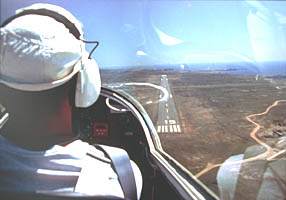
(45, 73)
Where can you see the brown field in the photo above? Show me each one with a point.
(212, 109)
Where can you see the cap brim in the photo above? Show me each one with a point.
(42, 86)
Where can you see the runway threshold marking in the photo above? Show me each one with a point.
(169, 128)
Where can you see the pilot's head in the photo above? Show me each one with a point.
(42, 59)
(41, 48)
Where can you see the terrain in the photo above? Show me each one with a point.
(217, 113)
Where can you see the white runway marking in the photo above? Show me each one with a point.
(171, 128)
(175, 128)
(166, 128)
(159, 129)
(179, 128)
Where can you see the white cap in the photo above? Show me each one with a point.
(39, 53)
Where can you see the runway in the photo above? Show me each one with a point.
(168, 121)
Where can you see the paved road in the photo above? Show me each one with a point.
(168, 121)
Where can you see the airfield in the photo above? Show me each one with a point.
(203, 118)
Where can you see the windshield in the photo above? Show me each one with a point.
(210, 74)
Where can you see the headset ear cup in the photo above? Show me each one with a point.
(88, 84)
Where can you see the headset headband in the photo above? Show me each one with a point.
(50, 13)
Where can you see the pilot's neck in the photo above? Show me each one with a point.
(39, 129)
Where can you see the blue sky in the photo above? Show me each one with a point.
(141, 33)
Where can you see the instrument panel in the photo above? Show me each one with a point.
(111, 123)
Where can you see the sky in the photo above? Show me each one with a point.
(146, 33)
